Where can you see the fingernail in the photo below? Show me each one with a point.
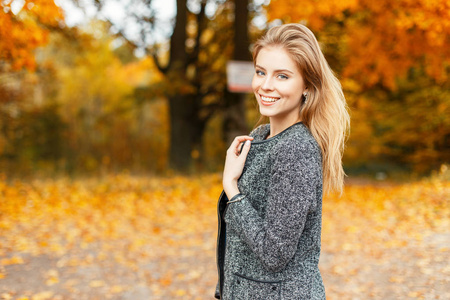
(247, 142)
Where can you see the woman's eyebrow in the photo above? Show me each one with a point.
(276, 71)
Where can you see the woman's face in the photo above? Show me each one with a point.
(278, 85)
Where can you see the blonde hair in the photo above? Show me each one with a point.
(325, 112)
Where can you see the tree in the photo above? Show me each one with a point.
(23, 31)
(384, 39)
(194, 69)
(393, 59)
(24, 27)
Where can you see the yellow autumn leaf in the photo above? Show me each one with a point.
(42, 295)
(180, 292)
(6, 296)
(52, 277)
(96, 283)
(115, 289)
(15, 260)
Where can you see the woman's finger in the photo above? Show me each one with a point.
(239, 139)
(236, 144)
(245, 149)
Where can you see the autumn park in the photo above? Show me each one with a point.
(115, 116)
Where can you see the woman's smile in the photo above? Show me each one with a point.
(268, 101)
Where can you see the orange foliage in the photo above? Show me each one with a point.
(130, 237)
(23, 32)
(315, 12)
(384, 38)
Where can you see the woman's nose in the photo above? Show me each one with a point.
(267, 84)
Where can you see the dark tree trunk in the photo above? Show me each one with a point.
(234, 122)
(186, 130)
(241, 40)
(186, 123)
(181, 107)
(178, 55)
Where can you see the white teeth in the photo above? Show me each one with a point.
(268, 99)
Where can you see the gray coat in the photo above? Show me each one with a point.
(272, 244)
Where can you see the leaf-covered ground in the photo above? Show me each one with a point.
(130, 237)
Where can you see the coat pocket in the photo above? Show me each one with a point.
(245, 288)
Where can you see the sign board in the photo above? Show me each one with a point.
(239, 76)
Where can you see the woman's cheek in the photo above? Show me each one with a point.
(255, 83)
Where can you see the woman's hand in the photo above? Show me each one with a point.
(234, 164)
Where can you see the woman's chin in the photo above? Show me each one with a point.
(264, 111)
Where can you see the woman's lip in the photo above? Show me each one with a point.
(268, 103)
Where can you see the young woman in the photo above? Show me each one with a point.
(271, 209)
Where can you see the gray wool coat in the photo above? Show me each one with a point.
(269, 242)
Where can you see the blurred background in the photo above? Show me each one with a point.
(115, 116)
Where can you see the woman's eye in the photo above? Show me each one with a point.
(259, 72)
(282, 76)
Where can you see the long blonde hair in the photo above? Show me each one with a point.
(325, 112)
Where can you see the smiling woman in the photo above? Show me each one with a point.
(270, 212)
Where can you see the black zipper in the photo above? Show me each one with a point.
(219, 255)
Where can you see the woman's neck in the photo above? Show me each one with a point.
(278, 125)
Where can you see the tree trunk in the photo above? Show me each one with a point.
(241, 40)
(186, 131)
(180, 106)
(234, 122)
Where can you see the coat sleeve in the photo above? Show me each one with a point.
(295, 175)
